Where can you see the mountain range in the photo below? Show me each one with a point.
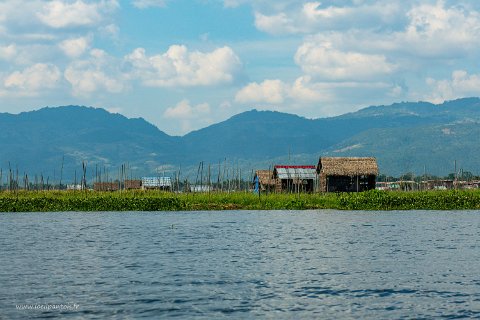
(416, 137)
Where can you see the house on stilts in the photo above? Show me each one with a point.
(338, 174)
(295, 178)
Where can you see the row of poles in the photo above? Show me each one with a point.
(208, 178)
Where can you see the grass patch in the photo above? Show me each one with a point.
(35, 201)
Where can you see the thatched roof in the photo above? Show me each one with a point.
(265, 177)
(337, 166)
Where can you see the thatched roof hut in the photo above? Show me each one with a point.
(265, 177)
(343, 166)
(347, 174)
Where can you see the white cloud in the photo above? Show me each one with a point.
(370, 51)
(179, 67)
(32, 79)
(75, 47)
(318, 98)
(8, 52)
(62, 14)
(276, 24)
(110, 30)
(277, 92)
(269, 91)
(304, 90)
(460, 85)
(440, 30)
(95, 74)
(311, 17)
(144, 4)
(183, 110)
(189, 115)
(321, 61)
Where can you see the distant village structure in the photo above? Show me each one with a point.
(106, 186)
(295, 178)
(346, 174)
(159, 183)
(263, 181)
(331, 174)
(133, 184)
(146, 183)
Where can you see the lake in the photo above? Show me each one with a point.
(241, 264)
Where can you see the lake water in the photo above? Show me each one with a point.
(240, 264)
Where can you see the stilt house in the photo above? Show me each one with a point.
(346, 174)
(295, 178)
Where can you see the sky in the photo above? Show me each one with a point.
(185, 64)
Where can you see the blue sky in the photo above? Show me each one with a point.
(185, 64)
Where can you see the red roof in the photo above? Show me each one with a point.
(295, 167)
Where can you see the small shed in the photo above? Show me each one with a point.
(294, 178)
(266, 182)
(346, 174)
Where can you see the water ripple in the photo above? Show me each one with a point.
(308, 264)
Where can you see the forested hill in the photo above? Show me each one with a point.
(405, 137)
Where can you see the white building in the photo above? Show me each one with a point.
(164, 183)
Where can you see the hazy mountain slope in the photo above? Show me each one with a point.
(404, 137)
(36, 141)
(433, 148)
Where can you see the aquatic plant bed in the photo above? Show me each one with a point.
(42, 201)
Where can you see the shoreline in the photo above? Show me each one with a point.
(90, 201)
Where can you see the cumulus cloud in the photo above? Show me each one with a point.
(8, 52)
(269, 91)
(311, 17)
(438, 29)
(179, 67)
(186, 114)
(460, 85)
(32, 79)
(355, 49)
(305, 95)
(183, 110)
(144, 4)
(62, 14)
(277, 92)
(320, 60)
(75, 47)
(430, 29)
(96, 73)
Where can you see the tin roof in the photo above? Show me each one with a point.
(156, 182)
(295, 172)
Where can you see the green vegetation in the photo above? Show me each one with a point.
(30, 201)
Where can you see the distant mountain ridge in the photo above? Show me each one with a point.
(405, 137)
